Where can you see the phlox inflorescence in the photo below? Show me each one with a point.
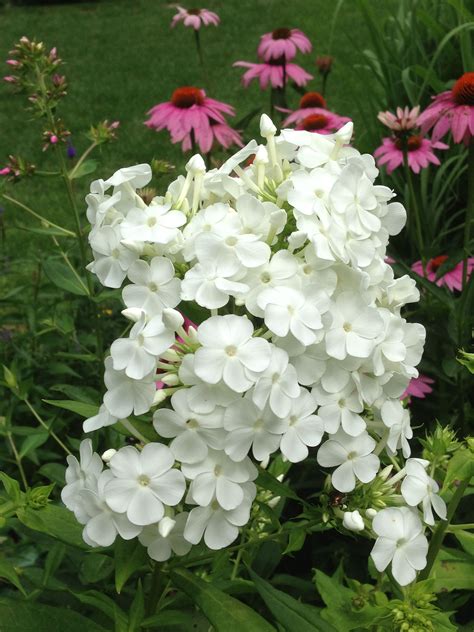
(302, 346)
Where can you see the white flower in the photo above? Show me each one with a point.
(82, 474)
(218, 525)
(137, 176)
(303, 428)
(166, 537)
(112, 260)
(353, 521)
(311, 190)
(401, 541)
(417, 487)
(210, 284)
(203, 397)
(193, 432)
(278, 385)
(229, 352)
(288, 310)
(248, 427)
(397, 419)
(340, 409)
(354, 457)
(103, 419)
(138, 353)
(143, 483)
(102, 525)
(353, 196)
(219, 477)
(280, 270)
(234, 251)
(153, 287)
(354, 327)
(125, 395)
(155, 223)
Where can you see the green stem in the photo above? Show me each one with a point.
(469, 210)
(413, 206)
(438, 536)
(17, 460)
(39, 217)
(197, 39)
(70, 266)
(460, 527)
(81, 160)
(158, 589)
(46, 427)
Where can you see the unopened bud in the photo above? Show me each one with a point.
(370, 513)
(172, 319)
(133, 313)
(108, 454)
(267, 128)
(196, 165)
(261, 157)
(166, 526)
(353, 521)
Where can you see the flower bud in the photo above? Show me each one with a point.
(353, 521)
(108, 454)
(196, 165)
(172, 319)
(370, 513)
(267, 128)
(261, 157)
(170, 379)
(132, 313)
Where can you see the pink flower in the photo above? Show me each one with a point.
(191, 115)
(195, 18)
(405, 119)
(283, 43)
(452, 111)
(418, 387)
(13, 62)
(451, 279)
(5, 171)
(419, 150)
(313, 116)
(10, 79)
(277, 73)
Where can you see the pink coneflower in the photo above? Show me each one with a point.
(451, 279)
(404, 119)
(195, 18)
(452, 110)
(276, 73)
(313, 116)
(283, 43)
(191, 116)
(419, 152)
(418, 387)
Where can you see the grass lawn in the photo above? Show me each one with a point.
(122, 58)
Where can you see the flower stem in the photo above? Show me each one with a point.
(469, 210)
(416, 211)
(17, 460)
(39, 217)
(81, 160)
(197, 39)
(440, 531)
(46, 427)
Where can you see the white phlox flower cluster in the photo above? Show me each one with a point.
(301, 343)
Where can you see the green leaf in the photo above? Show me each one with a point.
(62, 276)
(460, 467)
(104, 604)
(268, 481)
(12, 487)
(56, 521)
(95, 567)
(32, 442)
(177, 621)
(466, 540)
(8, 572)
(25, 616)
(293, 615)
(340, 611)
(225, 613)
(296, 540)
(80, 408)
(129, 557)
(85, 168)
(53, 560)
(136, 612)
(452, 571)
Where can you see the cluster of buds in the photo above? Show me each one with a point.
(161, 167)
(53, 137)
(17, 168)
(103, 132)
(33, 71)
